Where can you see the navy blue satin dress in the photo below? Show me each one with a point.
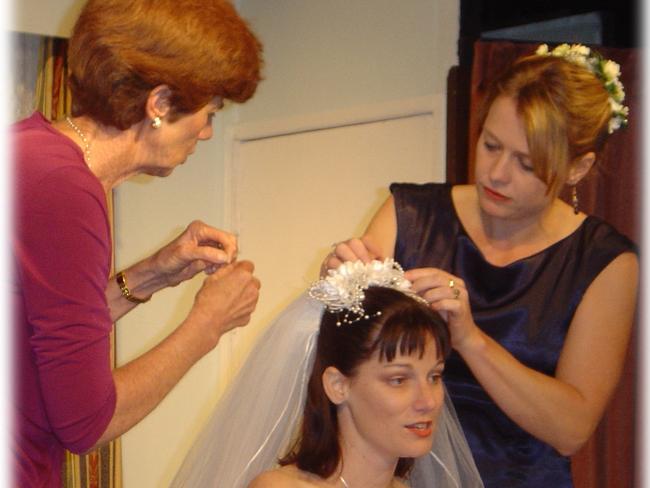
(526, 306)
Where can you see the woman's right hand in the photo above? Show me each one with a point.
(226, 300)
(448, 296)
(354, 249)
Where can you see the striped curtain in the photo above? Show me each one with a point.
(102, 467)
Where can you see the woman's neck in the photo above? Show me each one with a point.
(113, 152)
(503, 241)
(363, 479)
(362, 464)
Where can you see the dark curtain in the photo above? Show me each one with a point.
(613, 192)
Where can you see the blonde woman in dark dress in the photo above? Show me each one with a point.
(539, 296)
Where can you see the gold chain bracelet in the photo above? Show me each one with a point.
(126, 293)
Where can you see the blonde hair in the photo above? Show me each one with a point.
(564, 108)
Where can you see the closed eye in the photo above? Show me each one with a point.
(490, 146)
(525, 164)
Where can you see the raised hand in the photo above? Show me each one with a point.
(448, 296)
(226, 300)
(199, 248)
(351, 250)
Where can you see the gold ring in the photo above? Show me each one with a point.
(456, 291)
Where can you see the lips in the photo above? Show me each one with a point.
(494, 195)
(421, 429)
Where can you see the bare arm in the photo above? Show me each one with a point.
(226, 300)
(564, 410)
(200, 247)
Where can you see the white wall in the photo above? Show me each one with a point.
(46, 17)
(326, 55)
(321, 56)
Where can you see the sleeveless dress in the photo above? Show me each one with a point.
(527, 306)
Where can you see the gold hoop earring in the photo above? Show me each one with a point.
(156, 123)
(574, 200)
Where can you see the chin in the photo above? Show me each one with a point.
(494, 209)
(417, 449)
(160, 172)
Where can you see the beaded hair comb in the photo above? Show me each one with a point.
(342, 290)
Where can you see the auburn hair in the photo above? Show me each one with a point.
(564, 108)
(121, 49)
(403, 327)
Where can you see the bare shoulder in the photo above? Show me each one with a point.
(625, 263)
(284, 477)
(271, 479)
(464, 192)
(621, 273)
(465, 201)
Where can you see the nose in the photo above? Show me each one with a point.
(206, 132)
(429, 396)
(500, 168)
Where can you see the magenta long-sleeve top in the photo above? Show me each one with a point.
(63, 389)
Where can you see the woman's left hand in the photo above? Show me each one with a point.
(199, 248)
(448, 296)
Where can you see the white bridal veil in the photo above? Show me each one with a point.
(257, 418)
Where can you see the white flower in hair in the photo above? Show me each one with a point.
(611, 69)
(605, 70)
(542, 50)
(342, 290)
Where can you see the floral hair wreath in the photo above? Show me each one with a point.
(342, 290)
(606, 70)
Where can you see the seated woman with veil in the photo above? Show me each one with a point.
(343, 389)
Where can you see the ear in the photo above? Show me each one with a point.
(580, 167)
(335, 385)
(158, 102)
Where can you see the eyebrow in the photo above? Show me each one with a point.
(410, 366)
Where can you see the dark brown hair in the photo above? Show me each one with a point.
(565, 110)
(403, 327)
(121, 49)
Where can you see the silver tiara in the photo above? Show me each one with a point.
(342, 290)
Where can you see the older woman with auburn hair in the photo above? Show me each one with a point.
(147, 77)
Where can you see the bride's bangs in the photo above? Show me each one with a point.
(404, 326)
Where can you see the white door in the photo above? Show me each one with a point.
(297, 192)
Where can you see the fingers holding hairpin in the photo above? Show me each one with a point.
(434, 284)
(448, 296)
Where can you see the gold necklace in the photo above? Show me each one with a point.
(83, 139)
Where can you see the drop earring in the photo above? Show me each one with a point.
(574, 200)
(156, 123)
